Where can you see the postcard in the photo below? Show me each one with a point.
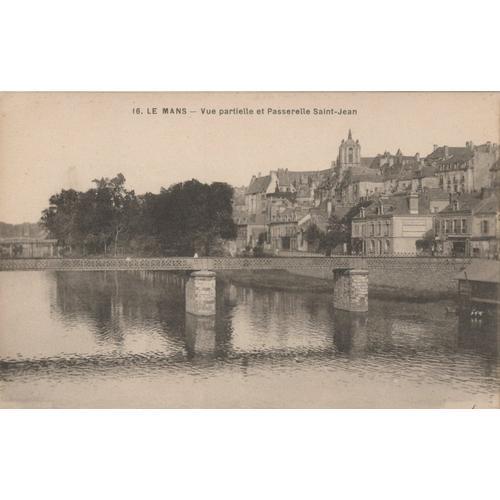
(249, 250)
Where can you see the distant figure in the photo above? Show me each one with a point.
(196, 255)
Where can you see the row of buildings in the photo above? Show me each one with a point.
(445, 203)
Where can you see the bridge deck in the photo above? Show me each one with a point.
(181, 263)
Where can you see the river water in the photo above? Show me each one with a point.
(123, 339)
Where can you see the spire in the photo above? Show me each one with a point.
(350, 135)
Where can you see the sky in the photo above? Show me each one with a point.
(51, 141)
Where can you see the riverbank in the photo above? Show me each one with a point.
(286, 281)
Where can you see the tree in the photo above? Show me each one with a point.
(92, 219)
(337, 234)
(314, 236)
(114, 209)
(340, 229)
(220, 215)
(187, 217)
(194, 217)
(60, 218)
(427, 243)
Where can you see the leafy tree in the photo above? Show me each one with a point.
(427, 243)
(313, 234)
(60, 218)
(314, 237)
(114, 208)
(337, 234)
(187, 217)
(340, 229)
(191, 217)
(93, 219)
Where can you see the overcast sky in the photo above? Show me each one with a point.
(50, 141)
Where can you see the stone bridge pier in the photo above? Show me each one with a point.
(350, 291)
(200, 293)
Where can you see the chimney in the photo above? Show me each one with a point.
(434, 147)
(417, 156)
(258, 175)
(446, 152)
(413, 203)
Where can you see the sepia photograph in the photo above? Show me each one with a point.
(249, 250)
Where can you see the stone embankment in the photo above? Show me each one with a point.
(406, 277)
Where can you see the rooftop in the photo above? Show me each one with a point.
(397, 204)
(489, 205)
(484, 270)
(258, 185)
(466, 202)
(454, 154)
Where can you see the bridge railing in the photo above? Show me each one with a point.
(230, 263)
(181, 263)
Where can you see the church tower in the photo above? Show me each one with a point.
(349, 153)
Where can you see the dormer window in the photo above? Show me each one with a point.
(455, 205)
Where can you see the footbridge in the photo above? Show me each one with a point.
(350, 274)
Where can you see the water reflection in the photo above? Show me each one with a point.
(350, 332)
(85, 322)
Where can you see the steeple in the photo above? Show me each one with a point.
(349, 153)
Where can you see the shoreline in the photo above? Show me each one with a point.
(289, 282)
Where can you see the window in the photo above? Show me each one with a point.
(455, 205)
(372, 229)
(447, 226)
(372, 246)
(455, 226)
(437, 226)
(350, 156)
(484, 227)
(464, 226)
(387, 246)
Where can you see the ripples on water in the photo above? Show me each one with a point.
(116, 327)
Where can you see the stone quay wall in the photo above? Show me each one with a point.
(417, 274)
